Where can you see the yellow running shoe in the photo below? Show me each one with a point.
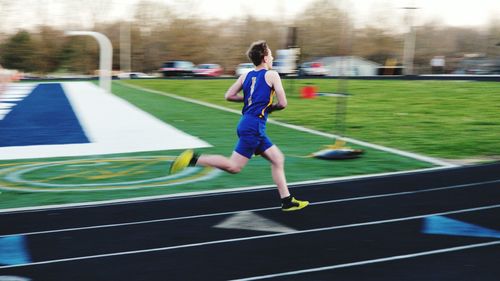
(182, 161)
(293, 205)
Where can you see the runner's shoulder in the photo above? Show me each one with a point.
(272, 72)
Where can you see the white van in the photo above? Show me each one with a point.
(244, 68)
(286, 61)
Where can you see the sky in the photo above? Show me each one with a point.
(449, 12)
(25, 13)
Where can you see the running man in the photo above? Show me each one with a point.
(259, 87)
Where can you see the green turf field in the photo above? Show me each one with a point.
(444, 119)
(108, 177)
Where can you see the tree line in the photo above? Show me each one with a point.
(158, 34)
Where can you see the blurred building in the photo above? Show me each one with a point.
(349, 66)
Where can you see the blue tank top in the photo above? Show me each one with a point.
(258, 96)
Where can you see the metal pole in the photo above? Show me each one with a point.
(105, 56)
(125, 61)
(409, 45)
(345, 68)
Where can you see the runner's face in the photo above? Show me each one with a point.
(269, 59)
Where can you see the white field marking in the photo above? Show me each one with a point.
(303, 129)
(247, 220)
(250, 210)
(11, 90)
(128, 129)
(3, 113)
(12, 99)
(12, 94)
(217, 192)
(252, 237)
(380, 260)
(6, 105)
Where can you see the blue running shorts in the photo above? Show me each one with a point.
(252, 136)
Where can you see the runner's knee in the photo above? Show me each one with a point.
(233, 169)
(278, 159)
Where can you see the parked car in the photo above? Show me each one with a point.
(313, 69)
(133, 75)
(478, 65)
(177, 68)
(208, 69)
(244, 68)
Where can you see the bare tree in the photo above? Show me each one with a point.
(162, 32)
(320, 29)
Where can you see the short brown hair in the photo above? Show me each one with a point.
(257, 51)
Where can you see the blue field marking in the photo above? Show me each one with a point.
(446, 226)
(44, 117)
(13, 250)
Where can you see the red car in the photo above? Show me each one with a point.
(313, 69)
(208, 69)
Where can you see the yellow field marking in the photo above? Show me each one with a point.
(108, 175)
(130, 164)
(104, 174)
(15, 186)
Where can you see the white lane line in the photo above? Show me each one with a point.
(207, 193)
(379, 260)
(251, 210)
(303, 129)
(251, 237)
(136, 222)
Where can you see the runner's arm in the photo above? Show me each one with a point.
(233, 91)
(275, 81)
